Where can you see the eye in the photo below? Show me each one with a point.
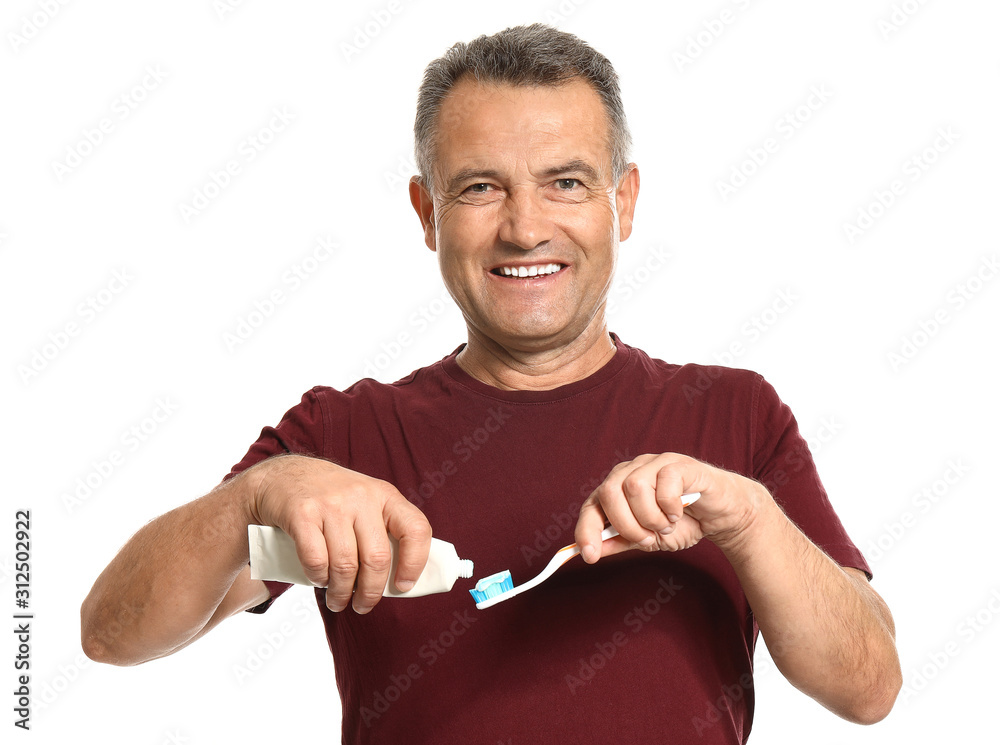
(567, 184)
(479, 188)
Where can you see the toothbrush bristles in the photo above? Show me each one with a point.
(490, 587)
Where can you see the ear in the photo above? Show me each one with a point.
(625, 197)
(422, 203)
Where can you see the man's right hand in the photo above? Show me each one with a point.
(339, 520)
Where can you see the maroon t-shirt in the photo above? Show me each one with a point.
(641, 647)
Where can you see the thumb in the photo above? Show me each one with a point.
(410, 527)
(589, 525)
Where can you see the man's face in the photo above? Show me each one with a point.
(523, 184)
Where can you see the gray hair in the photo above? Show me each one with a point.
(522, 56)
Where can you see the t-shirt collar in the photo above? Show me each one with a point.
(611, 368)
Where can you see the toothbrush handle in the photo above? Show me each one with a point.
(568, 552)
(558, 559)
(611, 531)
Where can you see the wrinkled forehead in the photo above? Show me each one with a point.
(499, 126)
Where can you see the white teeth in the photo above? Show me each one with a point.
(530, 271)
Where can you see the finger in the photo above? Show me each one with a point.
(589, 525)
(342, 548)
(669, 489)
(687, 533)
(616, 545)
(640, 489)
(310, 547)
(374, 561)
(618, 509)
(410, 527)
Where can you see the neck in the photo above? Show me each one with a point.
(517, 369)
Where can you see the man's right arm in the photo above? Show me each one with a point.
(185, 571)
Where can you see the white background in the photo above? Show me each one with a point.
(882, 431)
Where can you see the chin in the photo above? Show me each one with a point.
(532, 337)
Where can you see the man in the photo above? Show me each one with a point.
(524, 193)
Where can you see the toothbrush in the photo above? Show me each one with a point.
(499, 587)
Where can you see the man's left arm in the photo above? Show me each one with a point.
(828, 631)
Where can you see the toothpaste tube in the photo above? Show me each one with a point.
(273, 557)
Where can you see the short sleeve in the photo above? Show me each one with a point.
(301, 431)
(784, 464)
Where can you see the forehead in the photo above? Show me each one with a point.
(484, 124)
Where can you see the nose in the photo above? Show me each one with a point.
(525, 222)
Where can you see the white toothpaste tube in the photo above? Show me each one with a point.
(273, 557)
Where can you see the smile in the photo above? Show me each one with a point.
(535, 270)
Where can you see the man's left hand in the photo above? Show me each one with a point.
(642, 499)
